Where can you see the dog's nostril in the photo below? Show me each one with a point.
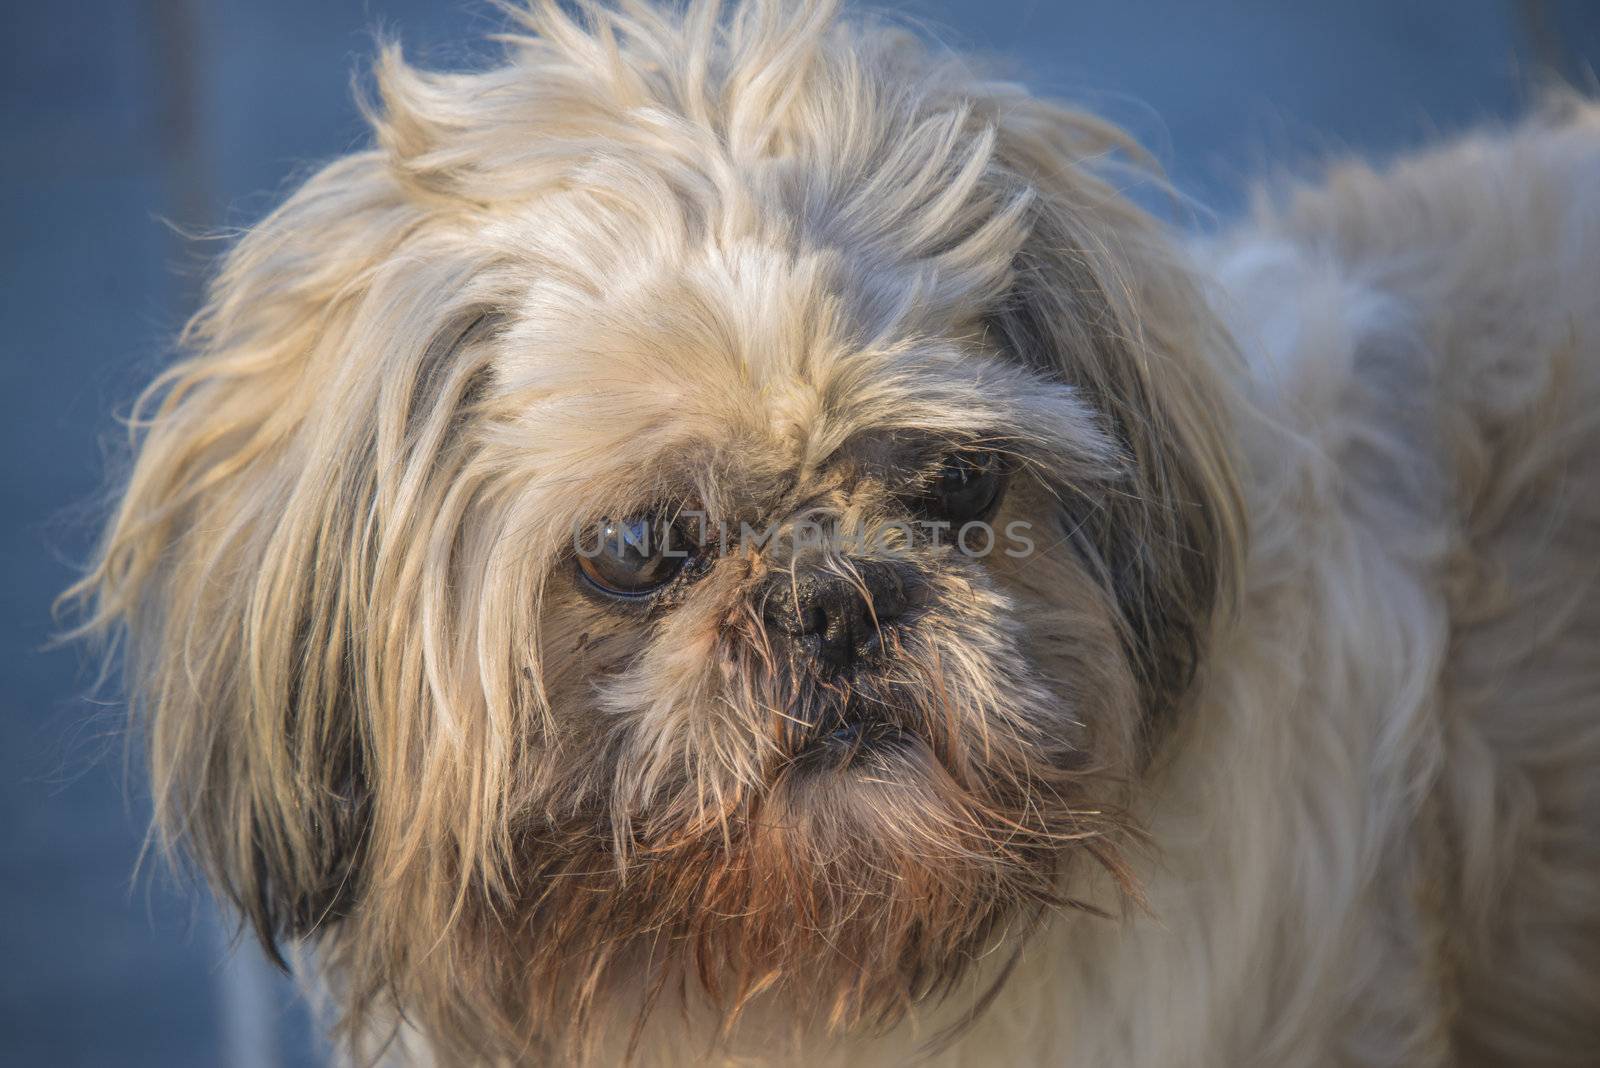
(888, 604)
(813, 619)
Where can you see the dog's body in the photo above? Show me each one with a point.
(1296, 706)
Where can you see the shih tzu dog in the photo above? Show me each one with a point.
(725, 539)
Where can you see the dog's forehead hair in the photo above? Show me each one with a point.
(747, 372)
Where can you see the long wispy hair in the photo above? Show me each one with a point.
(377, 714)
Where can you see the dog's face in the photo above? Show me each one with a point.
(731, 505)
(824, 661)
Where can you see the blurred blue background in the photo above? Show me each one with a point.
(125, 124)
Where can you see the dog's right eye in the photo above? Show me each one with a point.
(632, 557)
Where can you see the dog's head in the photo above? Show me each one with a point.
(719, 503)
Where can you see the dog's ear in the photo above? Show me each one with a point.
(270, 510)
(1102, 300)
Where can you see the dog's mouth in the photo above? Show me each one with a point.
(851, 736)
(888, 719)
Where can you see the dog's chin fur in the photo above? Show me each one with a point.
(1154, 792)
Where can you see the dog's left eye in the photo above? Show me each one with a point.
(633, 557)
(966, 487)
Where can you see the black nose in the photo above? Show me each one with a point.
(838, 619)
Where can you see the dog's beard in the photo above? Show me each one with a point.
(855, 842)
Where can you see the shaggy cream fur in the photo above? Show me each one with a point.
(1282, 747)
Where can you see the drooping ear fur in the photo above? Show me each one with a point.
(1103, 300)
(257, 529)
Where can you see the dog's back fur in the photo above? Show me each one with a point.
(1488, 255)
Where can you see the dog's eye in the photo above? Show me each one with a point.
(966, 487)
(633, 557)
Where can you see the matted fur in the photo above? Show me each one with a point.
(773, 266)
